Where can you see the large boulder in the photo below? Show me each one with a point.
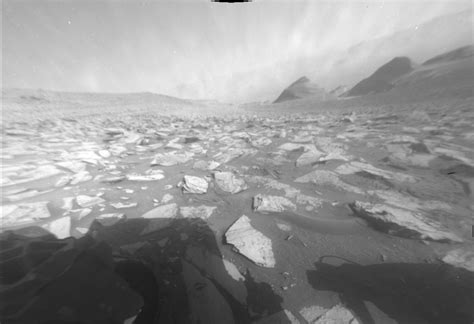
(402, 222)
(250, 242)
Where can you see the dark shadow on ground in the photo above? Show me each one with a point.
(406, 292)
(181, 244)
(176, 268)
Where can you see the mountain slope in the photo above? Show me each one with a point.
(447, 74)
(303, 88)
(382, 79)
(457, 54)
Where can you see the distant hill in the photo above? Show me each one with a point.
(383, 78)
(40, 96)
(447, 74)
(339, 91)
(303, 88)
(459, 53)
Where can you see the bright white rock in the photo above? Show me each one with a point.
(460, 258)
(195, 185)
(250, 242)
(60, 227)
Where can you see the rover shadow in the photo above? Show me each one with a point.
(176, 267)
(406, 292)
(193, 283)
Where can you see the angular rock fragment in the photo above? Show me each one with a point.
(113, 179)
(310, 153)
(337, 314)
(250, 242)
(206, 165)
(11, 215)
(104, 153)
(310, 156)
(166, 198)
(353, 167)
(411, 154)
(232, 270)
(79, 214)
(82, 176)
(73, 166)
(407, 202)
(110, 219)
(25, 194)
(203, 212)
(164, 211)
(277, 204)
(171, 158)
(67, 203)
(31, 174)
(195, 185)
(402, 222)
(151, 175)
(261, 142)
(120, 205)
(324, 177)
(461, 258)
(88, 201)
(228, 182)
(64, 180)
(60, 227)
(160, 216)
(229, 155)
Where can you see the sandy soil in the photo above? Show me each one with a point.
(417, 156)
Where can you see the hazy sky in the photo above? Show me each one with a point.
(193, 49)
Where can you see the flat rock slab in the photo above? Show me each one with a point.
(60, 227)
(121, 205)
(250, 242)
(460, 258)
(163, 215)
(195, 185)
(153, 175)
(206, 165)
(110, 218)
(309, 157)
(335, 315)
(354, 167)
(228, 182)
(324, 177)
(23, 213)
(277, 204)
(164, 211)
(172, 158)
(88, 201)
(402, 222)
(310, 153)
(203, 212)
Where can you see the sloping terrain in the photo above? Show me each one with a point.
(448, 74)
(303, 88)
(457, 54)
(383, 78)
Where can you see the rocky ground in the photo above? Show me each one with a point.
(259, 214)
